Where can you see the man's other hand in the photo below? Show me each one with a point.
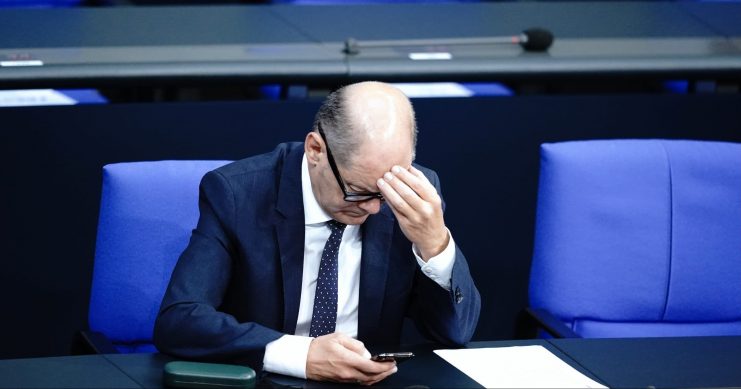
(340, 358)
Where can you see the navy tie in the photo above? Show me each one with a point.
(324, 317)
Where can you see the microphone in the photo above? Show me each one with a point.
(532, 39)
(535, 39)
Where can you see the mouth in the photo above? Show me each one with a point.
(355, 214)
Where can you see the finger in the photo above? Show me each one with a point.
(380, 377)
(398, 205)
(417, 181)
(424, 179)
(407, 194)
(367, 378)
(369, 368)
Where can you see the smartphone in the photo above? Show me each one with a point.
(386, 357)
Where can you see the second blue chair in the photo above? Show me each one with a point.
(638, 238)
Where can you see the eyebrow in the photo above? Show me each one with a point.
(356, 188)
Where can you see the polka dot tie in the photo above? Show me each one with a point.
(324, 318)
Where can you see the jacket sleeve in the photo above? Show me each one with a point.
(447, 317)
(189, 323)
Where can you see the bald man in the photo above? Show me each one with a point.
(305, 255)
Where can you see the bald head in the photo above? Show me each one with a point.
(367, 115)
(378, 111)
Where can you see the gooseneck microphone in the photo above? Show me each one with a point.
(532, 39)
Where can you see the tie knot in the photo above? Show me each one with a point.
(335, 226)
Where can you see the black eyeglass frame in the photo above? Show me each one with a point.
(353, 197)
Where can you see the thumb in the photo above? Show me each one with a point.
(356, 346)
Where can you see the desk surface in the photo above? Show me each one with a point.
(304, 43)
(659, 362)
(648, 362)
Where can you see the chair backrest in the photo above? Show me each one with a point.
(147, 213)
(638, 238)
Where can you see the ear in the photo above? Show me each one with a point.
(313, 147)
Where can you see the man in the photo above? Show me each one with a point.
(302, 254)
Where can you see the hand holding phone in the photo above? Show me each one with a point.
(387, 357)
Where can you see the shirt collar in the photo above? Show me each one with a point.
(313, 212)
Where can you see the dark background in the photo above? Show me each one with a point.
(484, 149)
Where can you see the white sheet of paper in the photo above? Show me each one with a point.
(33, 97)
(517, 367)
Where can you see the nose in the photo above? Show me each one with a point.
(371, 206)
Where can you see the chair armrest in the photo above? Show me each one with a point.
(91, 342)
(533, 319)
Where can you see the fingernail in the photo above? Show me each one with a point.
(388, 176)
(396, 368)
(366, 354)
(380, 183)
(396, 169)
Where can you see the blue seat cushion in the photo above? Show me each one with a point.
(639, 233)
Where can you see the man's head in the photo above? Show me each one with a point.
(368, 127)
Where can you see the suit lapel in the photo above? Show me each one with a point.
(377, 231)
(289, 227)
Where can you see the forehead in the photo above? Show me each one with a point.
(372, 161)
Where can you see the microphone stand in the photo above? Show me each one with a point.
(353, 46)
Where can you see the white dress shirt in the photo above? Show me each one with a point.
(287, 355)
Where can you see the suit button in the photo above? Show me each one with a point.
(458, 295)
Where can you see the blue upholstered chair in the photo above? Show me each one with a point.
(147, 213)
(638, 238)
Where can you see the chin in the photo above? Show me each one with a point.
(351, 219)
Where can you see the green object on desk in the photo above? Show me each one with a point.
(180, 374)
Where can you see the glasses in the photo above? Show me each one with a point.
(354, 197)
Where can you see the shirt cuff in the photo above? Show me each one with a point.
(287, 355)
(440, 267)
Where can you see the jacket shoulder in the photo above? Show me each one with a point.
(267, 162)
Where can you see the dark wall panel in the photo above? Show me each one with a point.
(485, 150)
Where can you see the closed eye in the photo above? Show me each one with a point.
(357, 189)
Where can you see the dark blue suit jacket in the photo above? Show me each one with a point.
(237, 285)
